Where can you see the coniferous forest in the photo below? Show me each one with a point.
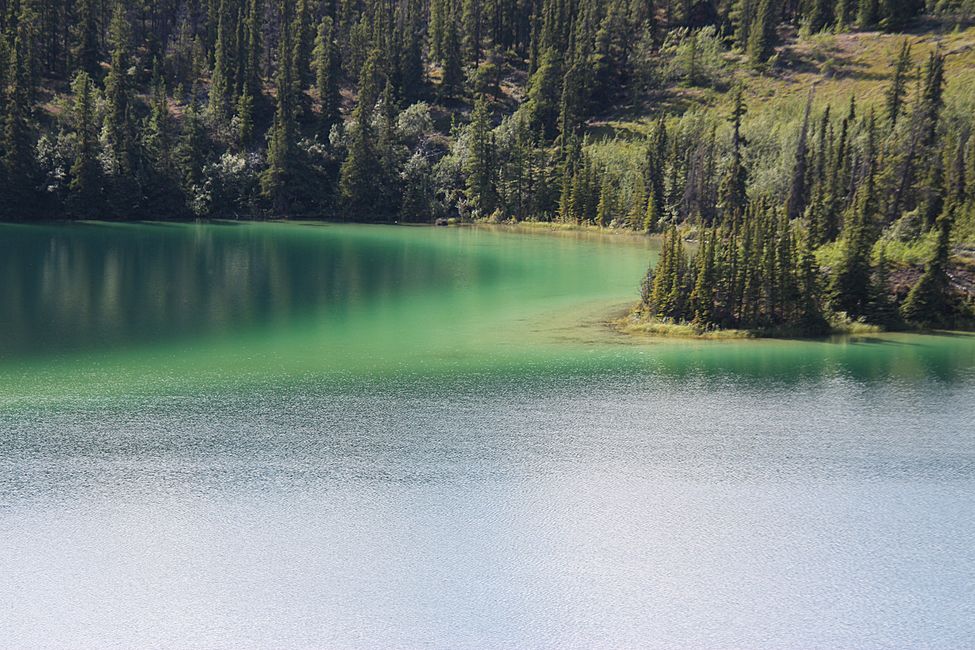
(648, 115)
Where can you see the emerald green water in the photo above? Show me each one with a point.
(305, 435)
(114, 307)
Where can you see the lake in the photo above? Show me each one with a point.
(332, 436)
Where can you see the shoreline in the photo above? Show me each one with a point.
(631, 325)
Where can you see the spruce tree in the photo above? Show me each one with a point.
(894, 97)
(929, 302)
(453, 65)
(702, 296)
(852, 279)
(798, 190)
(18, 162)
(221, 79)
(281, 139)
(761, 35)
(867, 13)
(810, 319)
(85, 172)
(361, 167)
(119, 128)
(480, 167)
(85, 48)
(732, 191)
(327, 69)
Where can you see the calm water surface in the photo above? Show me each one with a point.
(283, 435)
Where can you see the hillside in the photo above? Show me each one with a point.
(731, 122)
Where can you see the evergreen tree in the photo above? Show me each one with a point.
(453, 66)
(761, 34)
(481, 162)
(327, 70)
(245, 118)
(852, 281)
(222, 78)
(119, 128)
(192, 148)
(85, 173)
(929, 302)
(86, 31)
(897, 13)
(18, 163)
(705, 286)
(867, 13)
(810, 318)
(361, 166)
(542, 103)
(798, 190)
(894, 98)
(733, 197)
(281, 139)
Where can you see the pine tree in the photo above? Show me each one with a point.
(327, 69)
(453, 65)
(245, 118)
(471, 14)
(251, 65)
(867, 13)
(651, 218)
(929, 302)
(882, 309)
(480, 166)
(85, 48)
(895, 14)
(303, 35)
(192, 148)
(810, 318)
(18, 162)
(819, 15)
(221, 79)
(732, 192)
(851, 282)
(798, 190)
(281, 139)
(439, 18)
(161, 178)
(702, 296)
(894, 98)
(85, 173)
(742, 15)
(761, 36)
(119, 128)
(542, 103)
(361, 166)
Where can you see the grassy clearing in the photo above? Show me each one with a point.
(837, 66)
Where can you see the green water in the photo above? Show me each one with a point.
(122, 307)
(98, 309)
(288, 435)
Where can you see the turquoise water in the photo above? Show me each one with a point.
(294, 435)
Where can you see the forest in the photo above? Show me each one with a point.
(645, 115)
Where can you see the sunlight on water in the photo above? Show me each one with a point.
(281, 435)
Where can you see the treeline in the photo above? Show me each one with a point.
(381, 110)
(857, 183)
(344, 108)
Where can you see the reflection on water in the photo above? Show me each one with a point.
(88, 284)
(280, 436)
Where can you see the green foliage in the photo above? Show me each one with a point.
(929, 303)
(695, 56)
(761, 33)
